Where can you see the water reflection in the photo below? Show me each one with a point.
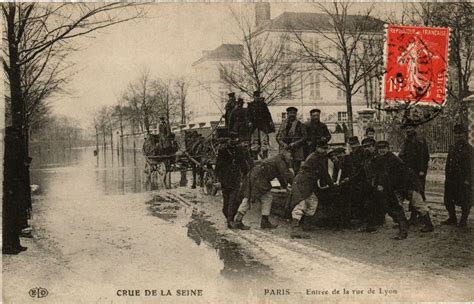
(237, 264)
(107, 173)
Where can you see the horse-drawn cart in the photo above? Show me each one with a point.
(196, 153)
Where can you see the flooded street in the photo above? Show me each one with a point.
(103, 235)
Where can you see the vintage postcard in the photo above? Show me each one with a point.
(237, 152)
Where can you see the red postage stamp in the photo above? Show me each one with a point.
(416, 64)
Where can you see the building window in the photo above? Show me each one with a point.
(314, 87)
(286, 86)
(314, 44)
(223, 96)
(341, 116)
(285, 47)
(341, 94)
(283, 115)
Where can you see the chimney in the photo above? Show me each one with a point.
(262, 13)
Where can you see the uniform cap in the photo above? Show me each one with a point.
(459, 129)
(369, 129)
(353, 140)
(322, 143)
(382, 144)
(368, 142)
(314, 111)
(291, 109)
(231, 94)
(335, 151)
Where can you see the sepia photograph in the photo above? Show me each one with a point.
(237, 152)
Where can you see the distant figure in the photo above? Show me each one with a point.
(239, 122)
(370, 133)
(338, 128)
(316, 131)
(164, 127)
(345, 130)
(458, 182)
(164, 130)
(414, 152)
(292, 136)
(260, 124)
(229, 107)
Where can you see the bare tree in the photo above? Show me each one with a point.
(168, 104)
(458, 17)
(182, 86)
(351, 55)
(36, 39)
(265, 63)
(142, 98)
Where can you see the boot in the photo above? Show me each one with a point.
(306, 225)
(452, 219)
(428, 224)
(237, 224)
(403, 230)
(464, 216)
(296, 231)
(265, 223)
(413, 221)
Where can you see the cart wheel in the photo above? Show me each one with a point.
(210, 181)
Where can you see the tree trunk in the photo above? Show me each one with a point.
(15, 178)
(183, 111)
(96, 140)
(349, 113)
(111, 140)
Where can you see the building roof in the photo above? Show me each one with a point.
(314, 21)
(223, 52)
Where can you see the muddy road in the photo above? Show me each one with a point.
(102, 235)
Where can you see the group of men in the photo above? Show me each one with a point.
(361, 184)
(253, 123)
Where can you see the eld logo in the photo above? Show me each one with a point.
(38, 292)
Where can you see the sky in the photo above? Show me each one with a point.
(165, 43)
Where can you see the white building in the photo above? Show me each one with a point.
(311, 90)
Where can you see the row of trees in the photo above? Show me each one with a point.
(142, 104)
(37, 40)
(60, 131)
(351, 57)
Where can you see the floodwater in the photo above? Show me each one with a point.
(102, 206)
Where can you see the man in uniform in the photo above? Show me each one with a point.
(370, 133)
(260, 124)
(316, 130)
(164, 127)
(229, 107)
(238, 125)
(458, 182)
(388, 175)
(414, 153)
(14, 204)
(374, 211)
(410, 189)
(257, 187)
(357, 178)
(303, 199)
(339, 195)
(292, 136)
(231, 164)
